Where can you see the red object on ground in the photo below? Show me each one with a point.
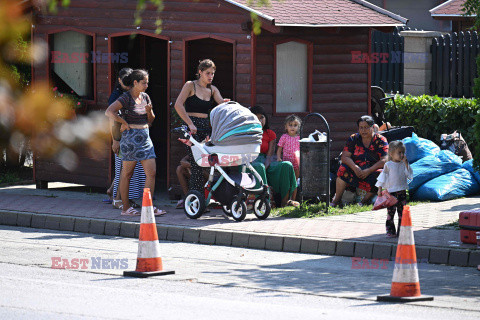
(469, 222)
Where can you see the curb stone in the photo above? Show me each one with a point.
(437, 255)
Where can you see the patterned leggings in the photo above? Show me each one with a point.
(203, 130)
(402, 200)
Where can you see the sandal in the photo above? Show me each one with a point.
(134, 204)
(130, 212)
(180, 204)
(292, 203)
(158, 212)
(117, 204)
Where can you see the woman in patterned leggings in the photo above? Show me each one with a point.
(193, 105)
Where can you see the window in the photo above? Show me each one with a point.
(292, 77)
(71, 68)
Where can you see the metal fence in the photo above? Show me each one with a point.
(387, 73)
(453, 64)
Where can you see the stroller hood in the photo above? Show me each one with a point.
(233, 124)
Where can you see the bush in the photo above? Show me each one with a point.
(432, 115)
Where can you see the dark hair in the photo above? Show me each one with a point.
(122, 74)
(292, 118)
(368, 119)
(136, 75)
(259, 110)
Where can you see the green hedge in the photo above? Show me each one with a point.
(432, 115)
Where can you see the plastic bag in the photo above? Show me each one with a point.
(459, 183)
(469, 166)
(418, 148)
(316, 136)
(433, 166)
(384, 201)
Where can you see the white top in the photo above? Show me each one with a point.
(394, 176)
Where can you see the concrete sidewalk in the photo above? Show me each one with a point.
(71, 208)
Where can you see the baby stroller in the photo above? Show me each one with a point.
(235, 141)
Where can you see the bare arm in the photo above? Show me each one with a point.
(270, 152)
(279, 153)
(150, 114)
(217, 96)
(112, 113)
(180, 105)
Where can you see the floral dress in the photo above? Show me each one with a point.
(364, 158)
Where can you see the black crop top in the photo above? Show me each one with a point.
(196, 105)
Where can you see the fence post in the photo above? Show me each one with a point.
(418, 61)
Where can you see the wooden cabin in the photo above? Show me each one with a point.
(301, 62)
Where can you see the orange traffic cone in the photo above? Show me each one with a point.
(149, 262)
(405, 282)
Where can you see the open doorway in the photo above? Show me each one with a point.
(150, 53)
(222, 53)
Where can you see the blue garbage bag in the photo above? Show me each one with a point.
(459, 183)
(432, 166)
(418, 148)
(469, 166)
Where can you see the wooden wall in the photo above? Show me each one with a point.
(339, 88)
(182, 19)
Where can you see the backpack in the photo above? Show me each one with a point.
(456, 144)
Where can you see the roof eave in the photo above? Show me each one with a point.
(258, 13)
(381, 10)
(440, 5)
(453, 15)
(338, 25)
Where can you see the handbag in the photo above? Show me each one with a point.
(384, 200)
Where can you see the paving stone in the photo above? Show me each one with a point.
(52, 222)
(175, 234)
(422, 254)
(309, 246)
(240, 240)
(291, 244)
(8, 218)
(382, 251)
(191, 235)
(223, 238)
(458, 258)
(67, 223)
(81, 225)
(256, 241)
(112, 228)
(327, 247)
(97, 226)
(274, 243)
(363, 250)
(207, 236)
(127, 229)
(24, 219)
(162, 231)
(38, 221)
(438, 255)
(345, 248)
(474, 258)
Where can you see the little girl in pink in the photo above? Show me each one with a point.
(289, 145)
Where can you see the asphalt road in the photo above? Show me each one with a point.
(211, 282)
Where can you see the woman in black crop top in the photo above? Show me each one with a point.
(193, 105)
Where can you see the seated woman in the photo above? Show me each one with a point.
(362, 158)
(280, 174)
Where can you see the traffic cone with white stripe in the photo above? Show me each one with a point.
(149, 262)
(405, 282)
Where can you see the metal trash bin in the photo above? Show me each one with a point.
(315, 165)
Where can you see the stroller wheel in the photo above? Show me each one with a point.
(227, 211)
(194, 204)
(238, 210)
(261, 208)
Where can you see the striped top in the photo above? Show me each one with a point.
(132, 112)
